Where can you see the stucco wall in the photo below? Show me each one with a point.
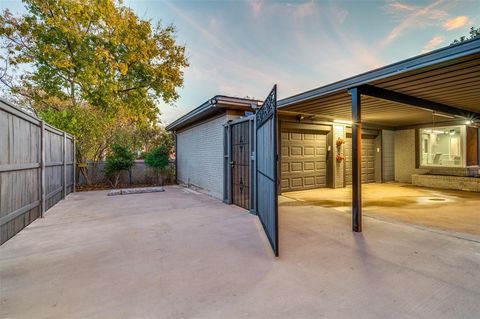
(405, 156)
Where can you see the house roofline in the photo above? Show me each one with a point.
(216, 103)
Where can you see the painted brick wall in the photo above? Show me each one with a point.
(404, 154)
(388, 148)
(200, 155)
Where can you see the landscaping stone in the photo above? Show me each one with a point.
(128, 191)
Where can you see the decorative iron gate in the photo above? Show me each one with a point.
(266, 167)
(240, 164)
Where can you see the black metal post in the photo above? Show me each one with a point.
(176, 157)
(356, 160)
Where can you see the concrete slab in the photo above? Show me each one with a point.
(179, 254)
(445, 210)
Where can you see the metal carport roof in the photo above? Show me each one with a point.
(449, 76)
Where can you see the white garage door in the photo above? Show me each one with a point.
(303, 160)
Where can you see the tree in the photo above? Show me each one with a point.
(120, 159)
(473, 34)
(158, 159)
(90, 68)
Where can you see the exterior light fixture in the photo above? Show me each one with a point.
(342, 122)
(468, 122)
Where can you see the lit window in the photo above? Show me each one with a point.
(442, 146)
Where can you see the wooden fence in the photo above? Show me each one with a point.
(36, 168)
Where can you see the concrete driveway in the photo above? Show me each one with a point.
(180, 254)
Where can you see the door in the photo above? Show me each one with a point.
(240, 164)
(303, 160)
(368, 160)
(266, 168)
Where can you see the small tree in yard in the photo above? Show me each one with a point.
(157, 159)
(121, 159)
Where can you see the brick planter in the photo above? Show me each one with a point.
(471, 184)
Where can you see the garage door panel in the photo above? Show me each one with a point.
(320, 180)
(309, 181)
(296, 167)
(309, 137)
(308, 151)
(309, 166)
(295, 151)
(305, 159)
(295, 136)
(368, 160)
(321, 166)
(296, 182)
(321, 151)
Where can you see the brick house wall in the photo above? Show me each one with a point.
(200, 155)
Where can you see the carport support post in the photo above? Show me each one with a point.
(356, 160)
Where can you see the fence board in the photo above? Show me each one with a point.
(22, 196)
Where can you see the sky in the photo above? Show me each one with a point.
(242, 48)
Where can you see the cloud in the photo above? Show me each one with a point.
(433, 43)
(298, 9)
(304, 9)
(456, 23)
(340, 14)
(401, 6)
(257, 6)
(213, 23)
(413, 17)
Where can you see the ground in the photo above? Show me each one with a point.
(444, 210)
(181, 254)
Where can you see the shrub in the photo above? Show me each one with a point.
(120, 159)
(157, 159)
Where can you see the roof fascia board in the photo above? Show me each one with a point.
(218, 101)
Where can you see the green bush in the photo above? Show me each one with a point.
(158, 159)
(120, 159)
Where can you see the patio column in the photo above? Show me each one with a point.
(356, 160)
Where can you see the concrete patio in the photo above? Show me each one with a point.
(455, 212)
(181, 254)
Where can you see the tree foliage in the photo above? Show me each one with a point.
(158, 159)
(472, 34)
(91, 67)
(120, 159)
